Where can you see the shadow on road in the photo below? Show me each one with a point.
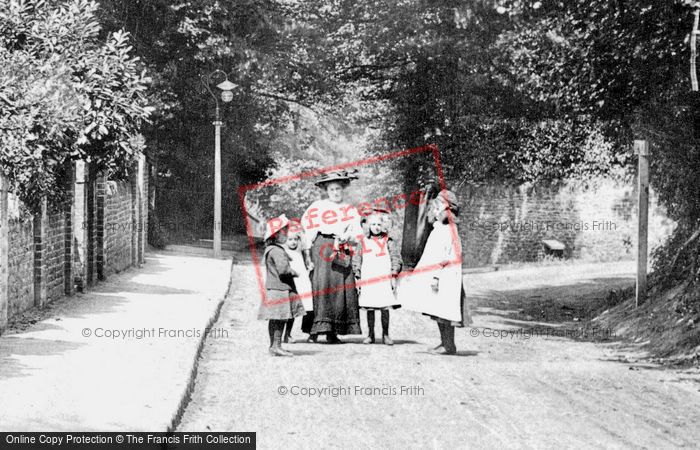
(459, 353)
(537, 303)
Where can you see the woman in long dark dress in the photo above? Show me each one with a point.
(331, 226)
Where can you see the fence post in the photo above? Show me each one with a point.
(41, 223)
(641, 148)
(4, 254)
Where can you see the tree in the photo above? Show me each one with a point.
(625, 64)
(65, 96)
(439, 68)
(180, 42)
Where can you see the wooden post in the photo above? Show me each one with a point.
(641, 148)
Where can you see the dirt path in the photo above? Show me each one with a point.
(508, 391)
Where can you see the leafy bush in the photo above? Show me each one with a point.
(64, 95)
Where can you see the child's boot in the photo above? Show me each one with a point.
(441, 347)
(276, 349)
(385, 328)
(271, 331)
(370, 326)
(450, 347)
(288, 332)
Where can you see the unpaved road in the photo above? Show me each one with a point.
(505, 392)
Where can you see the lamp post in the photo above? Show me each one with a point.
(225, 87)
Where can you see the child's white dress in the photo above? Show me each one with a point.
(376, 262)
(302, 281)
(442, 259)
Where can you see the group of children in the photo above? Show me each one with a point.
(376, 262)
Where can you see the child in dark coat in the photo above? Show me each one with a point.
(282, 302)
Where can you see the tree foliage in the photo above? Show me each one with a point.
(626, 64)
(529, 90)
(65, 95)
(440, 69)
(181, 42)
(509, 90)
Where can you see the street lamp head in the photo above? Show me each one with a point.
(226, 96)
(226, 85)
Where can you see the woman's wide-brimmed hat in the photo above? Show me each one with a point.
(344, 176)
(275, 225)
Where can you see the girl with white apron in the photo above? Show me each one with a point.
(301, 281)
(376, 262)
(435, 288)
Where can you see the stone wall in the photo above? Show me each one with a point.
(506, 224)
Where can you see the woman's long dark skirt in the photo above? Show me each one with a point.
(335, 312)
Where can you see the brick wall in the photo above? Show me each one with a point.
(118, 226)
(90, 222)
(21, 265)
(53, 253)
(504, 224)
(99, 230)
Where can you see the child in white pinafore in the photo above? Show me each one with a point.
(301, 279)
(376, 262)
(435, 287)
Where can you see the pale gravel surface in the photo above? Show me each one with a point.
(498, 393)
(54, 378)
